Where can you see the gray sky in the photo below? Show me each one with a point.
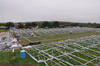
(50, 10)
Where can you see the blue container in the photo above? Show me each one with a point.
(23, 54)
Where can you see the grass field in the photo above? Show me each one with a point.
(71, 53)
(50, 38)
(3, 30)
(57, 54)
(7, 58)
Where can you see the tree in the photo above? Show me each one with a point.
(10, 24)
(28, 25)
(20, 25)
(46, 24)
(33, 24)
(2, 24)
(55, 24)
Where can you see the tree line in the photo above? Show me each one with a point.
(47, 24)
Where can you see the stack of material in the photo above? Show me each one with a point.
(35, 43)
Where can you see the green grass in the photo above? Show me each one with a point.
(83, 44)
(52, 38)
(96, 49)
(74, 47)
(3, 30)
(95, 61)
(46, 39)
(92, 52)
(89, 64)
(70, 60)
(50, 63)
(61, 49)
(37, 55)
(80, 60)
(7, 57)
(43, 47)
(78, 54)
(53, 52)
(24, 41)
(60, 63)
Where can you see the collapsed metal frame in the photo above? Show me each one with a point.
(53, 31)
(67, 42)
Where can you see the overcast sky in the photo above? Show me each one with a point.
(50, 10)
